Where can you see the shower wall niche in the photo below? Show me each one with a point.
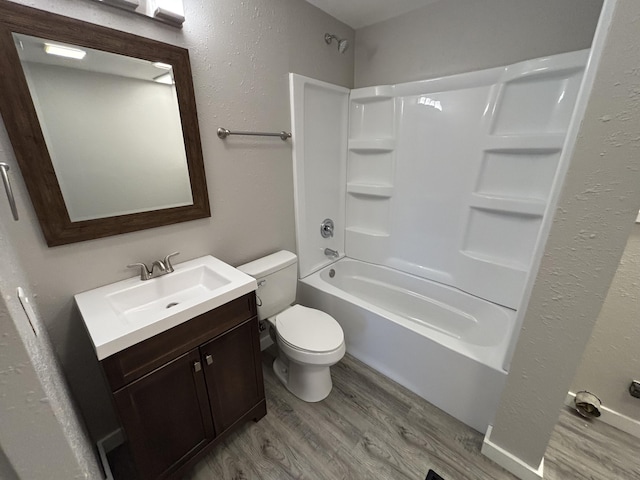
(370, 171)
(449, 179)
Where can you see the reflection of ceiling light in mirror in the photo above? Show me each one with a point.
(165, 78)
(163, 66)
(64, 51)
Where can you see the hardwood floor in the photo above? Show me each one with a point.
(372, 428)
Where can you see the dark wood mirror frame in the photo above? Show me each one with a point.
(28, 142)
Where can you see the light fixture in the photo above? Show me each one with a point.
(165, 78)
(170, 11)
(127, 4)
(162, 66)
(61, 51)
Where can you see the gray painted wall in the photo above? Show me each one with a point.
(612, 357)
(454, 36)
(594, 217)
(241, 53)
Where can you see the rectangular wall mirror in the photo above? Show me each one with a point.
(103, 124)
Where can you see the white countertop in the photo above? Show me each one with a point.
(124, 313)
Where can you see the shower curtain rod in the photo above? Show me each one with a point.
(224, 133)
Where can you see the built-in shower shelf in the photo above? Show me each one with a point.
(542, 143)
(367, 244)
(516, 267)
(559, 66)
(498, 203)
(373, 190)
(372, 94)
(372, 145)
(369, 232)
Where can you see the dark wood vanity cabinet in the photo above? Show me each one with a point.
(232, 383)
(180, 392)
(166, 415)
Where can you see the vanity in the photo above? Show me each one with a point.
(181, 355)
(105, 131)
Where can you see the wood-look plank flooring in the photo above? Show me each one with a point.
(372, 428)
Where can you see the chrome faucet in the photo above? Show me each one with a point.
(158, 267)
(329, 252)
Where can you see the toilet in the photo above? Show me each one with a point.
(309, 341)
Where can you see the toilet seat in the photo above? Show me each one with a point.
(309, 330)
(282, 341)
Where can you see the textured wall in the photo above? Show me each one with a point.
(36, 414)
(241, 53)
(612, 357)
(453, 36)
(599, 201)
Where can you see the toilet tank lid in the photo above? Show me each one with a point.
(269, 264)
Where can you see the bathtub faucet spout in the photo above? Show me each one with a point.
(331, 253)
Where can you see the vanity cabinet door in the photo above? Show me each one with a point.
(233, 371)
(166, 415)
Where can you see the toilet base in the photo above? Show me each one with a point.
(311, 383)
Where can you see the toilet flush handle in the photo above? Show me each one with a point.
(261, 283)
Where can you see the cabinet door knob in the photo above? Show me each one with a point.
(209, 359)
(197, 366)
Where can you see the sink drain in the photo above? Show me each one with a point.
(172, 304)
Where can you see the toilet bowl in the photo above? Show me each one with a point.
(309, 341)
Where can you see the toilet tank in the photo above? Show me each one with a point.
(277, 278)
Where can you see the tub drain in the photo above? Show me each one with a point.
(172, 304)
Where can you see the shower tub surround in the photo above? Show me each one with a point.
(438, 190)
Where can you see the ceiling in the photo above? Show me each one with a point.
(361, 13)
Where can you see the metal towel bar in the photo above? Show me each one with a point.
(4, 168)
(224, 133)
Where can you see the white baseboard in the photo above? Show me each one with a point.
(508, 461)
(106, 444)
(611, 417)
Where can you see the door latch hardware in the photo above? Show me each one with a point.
(634, 388)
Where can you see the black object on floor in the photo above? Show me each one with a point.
(433, 476)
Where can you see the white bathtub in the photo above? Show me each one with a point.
(441, 343)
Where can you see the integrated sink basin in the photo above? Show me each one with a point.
(128, 312)
(150, 297)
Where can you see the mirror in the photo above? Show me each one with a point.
(85, 99)
(103, 124)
